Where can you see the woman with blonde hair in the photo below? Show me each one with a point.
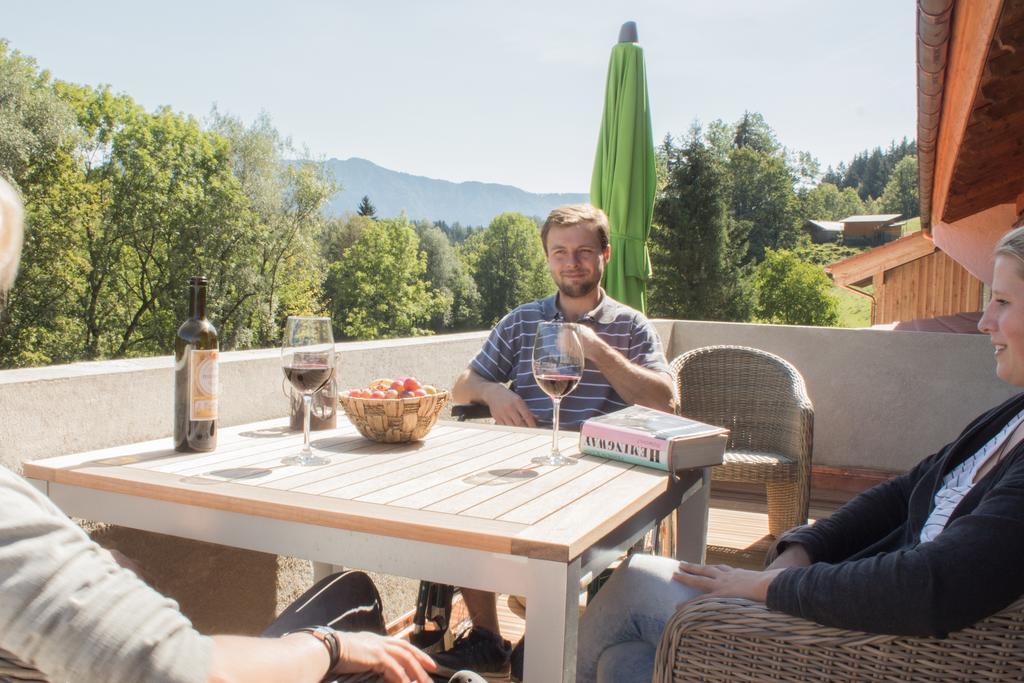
(927, 553)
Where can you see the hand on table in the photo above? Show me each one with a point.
(394, 659)
(725, 581)
(508, 408)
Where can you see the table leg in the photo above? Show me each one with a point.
(552, 621)
(322, 570)
(692, 523)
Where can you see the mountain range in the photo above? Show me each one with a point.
(468, 203)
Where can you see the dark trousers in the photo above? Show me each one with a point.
(347, 601)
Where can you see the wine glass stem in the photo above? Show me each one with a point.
(554, 428)
(307, 403)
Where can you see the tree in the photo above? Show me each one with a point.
(792, 292)
(826, 202)
(377, 289)
(762, 195)
(448, 275)
(508, 264)
(366, 208)
(695, 245)
(901, 192)
(341, 232)
(753, 132)
(283, 267)
(869, 171)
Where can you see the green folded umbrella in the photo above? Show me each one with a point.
(623, 183)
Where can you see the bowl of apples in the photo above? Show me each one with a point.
(394, 410)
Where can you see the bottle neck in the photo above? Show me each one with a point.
(197, 303)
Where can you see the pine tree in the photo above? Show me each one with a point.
(695, 245)
(366, 208)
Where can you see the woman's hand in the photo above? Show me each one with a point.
(396, 660)
(725, 581)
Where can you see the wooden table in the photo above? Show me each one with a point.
(466, 506)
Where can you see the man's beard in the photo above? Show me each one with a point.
(579, 289)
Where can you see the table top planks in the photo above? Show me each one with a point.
(466, 484)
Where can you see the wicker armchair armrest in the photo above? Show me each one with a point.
(732, 639)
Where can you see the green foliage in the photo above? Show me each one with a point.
(854, 309)
(869, 171)
(447, 274)
(508, 264)
(695, 245)
(823, 254)
(901, 192)
(762, 195)
(826, 202)
(34, 122)
(753, 132)
(340, 233)
(793, 292)
(278, 268)
(377, 289)
(366, 208)
(123, 205)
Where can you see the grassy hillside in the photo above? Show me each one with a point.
(854, 309)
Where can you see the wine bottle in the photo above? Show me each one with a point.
(195, 376)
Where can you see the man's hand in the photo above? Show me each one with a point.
(634, 383)
(396, 660)
(591, 343)
(726, 581)
(507, 407)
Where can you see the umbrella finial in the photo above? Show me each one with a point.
(627, 34)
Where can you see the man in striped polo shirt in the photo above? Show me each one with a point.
(625, 365)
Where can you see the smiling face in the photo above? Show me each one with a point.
(1003, 320)
(575, 259)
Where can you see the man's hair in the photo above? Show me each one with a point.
(11, 234)
(576, 214)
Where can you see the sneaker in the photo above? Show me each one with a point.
(477, 650)
(516, 660)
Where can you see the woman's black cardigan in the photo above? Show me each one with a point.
(870, 572)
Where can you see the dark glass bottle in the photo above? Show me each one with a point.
(195, 376)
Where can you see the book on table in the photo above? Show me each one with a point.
(653, 438)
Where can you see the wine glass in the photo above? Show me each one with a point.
(557, 368)
(307, 357)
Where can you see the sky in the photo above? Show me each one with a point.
(504, 92)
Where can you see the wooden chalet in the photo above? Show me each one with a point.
(822, 232)
(910, 279)
(970, 78)
(870, 228)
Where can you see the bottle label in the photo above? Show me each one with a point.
(202, 385)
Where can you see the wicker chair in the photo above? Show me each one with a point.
(732, 639)
(761, 398)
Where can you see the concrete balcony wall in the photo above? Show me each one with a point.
(882, 399)
(84, 406)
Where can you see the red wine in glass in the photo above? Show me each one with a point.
(309, 377)
(557, 386)
(308, 361)
(557, 367)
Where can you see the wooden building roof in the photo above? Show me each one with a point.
(830, 226)
(970, 79)
(858, 270)
(879, 218)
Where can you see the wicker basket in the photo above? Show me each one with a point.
(394, 420)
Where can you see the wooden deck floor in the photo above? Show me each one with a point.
(737, 535)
